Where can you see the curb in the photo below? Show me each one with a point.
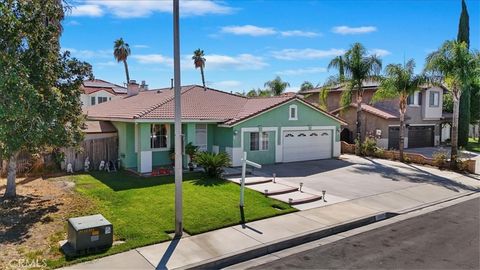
(264, 249)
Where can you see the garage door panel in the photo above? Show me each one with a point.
(307, 145)
(420, 136)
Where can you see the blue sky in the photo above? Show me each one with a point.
(250, 42)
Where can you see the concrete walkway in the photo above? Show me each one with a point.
(220, 244)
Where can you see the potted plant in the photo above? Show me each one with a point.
(191, 150)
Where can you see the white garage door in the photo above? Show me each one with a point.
(302, 145)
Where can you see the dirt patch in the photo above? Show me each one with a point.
(31, 225)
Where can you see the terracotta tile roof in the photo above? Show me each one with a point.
(380, 112)
(197, 104)
(92, 86)
(92, 127)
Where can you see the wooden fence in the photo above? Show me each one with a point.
(96, 150)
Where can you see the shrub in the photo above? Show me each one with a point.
(212, 163)
(369, 147)
(440, 159)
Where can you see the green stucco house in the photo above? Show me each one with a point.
(271, 130)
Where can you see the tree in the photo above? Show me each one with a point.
(259, 93)
(199, 62)
(358, 67)
(339, 64)
(40, 87)
(456, 67)
(276, 86)
(399, 82)
(121, 51)
(306, 85)
(465, 100)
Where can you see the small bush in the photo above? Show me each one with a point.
(369, 147)
(440, 159)
(212, 163)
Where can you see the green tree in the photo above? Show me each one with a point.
(40, 87)
(456, 67)
(121, 51)
(359, 67)
(465, 100)
(306, 85)
(399, 82)
(199, 62)
(276, 86)
(339, 64)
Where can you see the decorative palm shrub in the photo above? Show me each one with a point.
(191, 150)
(212, 163)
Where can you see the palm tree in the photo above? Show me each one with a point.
(276, 86)
(199, 62)
(358, 66)
(339, 64)
(306, 85)
(456, 67)
(399, 82)
(121, 51)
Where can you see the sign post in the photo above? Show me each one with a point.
(244, 172)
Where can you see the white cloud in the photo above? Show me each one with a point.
(379, 52)
(153, 59)
(89, 54)
(145, 8)
(299, 33)
(107, 64)
(301, 71)
(88, 10)
(226, 84)
(73, 23)
(347, 30)
(140, 46)
(250, 30)
(239, 62)
(301, 54)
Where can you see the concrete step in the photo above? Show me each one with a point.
(270, 188)
(296, 197)
(250, 180)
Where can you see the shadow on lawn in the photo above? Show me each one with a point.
(124, 181)
(209, 182)
(19, 215)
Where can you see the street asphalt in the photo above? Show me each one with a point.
(445, 239)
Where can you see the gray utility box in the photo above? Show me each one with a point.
(89, 233)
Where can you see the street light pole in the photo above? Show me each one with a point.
(178, 120)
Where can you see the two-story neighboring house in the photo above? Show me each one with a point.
(425, 119)
(99, 91)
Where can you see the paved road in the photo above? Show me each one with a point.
(445, 239)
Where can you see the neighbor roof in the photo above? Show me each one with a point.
(375, 110)
(92, 86)
(197, 104)
(367, 85)
(92, 127)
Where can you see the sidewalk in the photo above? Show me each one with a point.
(269, 234)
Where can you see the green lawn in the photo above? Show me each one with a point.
(473, 145)
(142, 209)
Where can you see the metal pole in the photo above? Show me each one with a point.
(178, 120)
(242, 184)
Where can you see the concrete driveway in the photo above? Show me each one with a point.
(352, 177)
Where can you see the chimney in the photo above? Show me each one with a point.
(132, 88)
(144, 86)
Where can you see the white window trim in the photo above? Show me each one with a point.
(438, 99)
(168, 139)
(260, 141)
(290, 112)
(206, 137)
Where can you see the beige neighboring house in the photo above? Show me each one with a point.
(99, 91)
(427, 124)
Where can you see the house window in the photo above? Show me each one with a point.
(201, 136)
(259, 141)
(102, 99)
(293, 113)
(434, 99)
(415, 99)
(158, 137)
(92, 101)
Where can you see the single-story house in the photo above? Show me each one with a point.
(271, 130)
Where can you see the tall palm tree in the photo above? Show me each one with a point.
(121, 51)
(199, 62)
(456, 67)
(276, 86)
(339, 64)
(306, 85)
(399, 82)
(358, 67)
